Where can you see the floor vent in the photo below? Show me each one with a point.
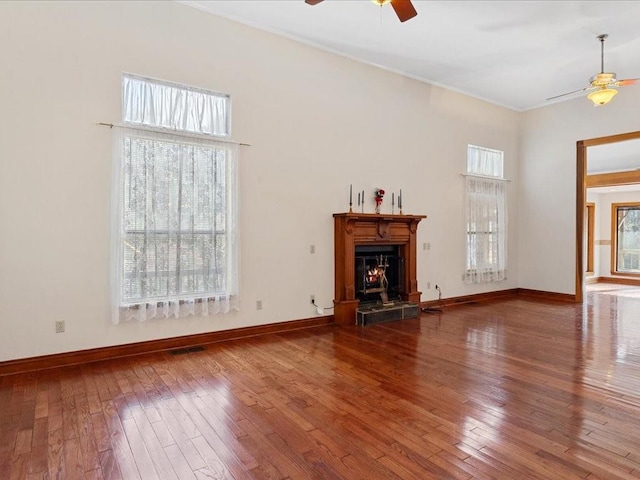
(182, 351)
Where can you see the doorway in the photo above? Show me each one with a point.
(581, 198)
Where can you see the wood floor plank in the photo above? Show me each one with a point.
(272, 453)
(109, 466)
(153, 446)
(364, 468)
(19, 466)
(179, 463)
(37, 476)
(55, 416)
(55, 455)
(445, 458)
(73, 461)
(160, 429)
(122, 451)
(42, 404)
(38, 450)
(181, 438)
(512, 389)
(101, 435)
(86, 435)
(144, 461)
(23, 441)
(214, 463)
(93, 475)
(447, 468)
(223, 439)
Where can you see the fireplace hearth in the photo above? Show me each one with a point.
(375, 266)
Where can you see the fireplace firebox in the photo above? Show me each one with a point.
(374, 254)
(379, 270)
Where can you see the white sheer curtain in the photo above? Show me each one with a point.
(174, 224)
(484, 162)
(174, 215)
(486, 214)
(153, 103)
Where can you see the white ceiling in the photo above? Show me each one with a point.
(511, 53)
(615, 189)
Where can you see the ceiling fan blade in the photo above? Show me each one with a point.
(628, 81)
(312, 2)
(571, 93)
(404, 9)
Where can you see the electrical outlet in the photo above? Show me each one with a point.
(424, 246)
(428, 285)
(312, 249)
(259, 305)
(60, 326)
(428, 246)
(312, 298)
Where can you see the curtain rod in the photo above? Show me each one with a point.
(146, 129)
(484, 176)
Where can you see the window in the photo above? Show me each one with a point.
(175, 193)
(625, 219)
(486, 216)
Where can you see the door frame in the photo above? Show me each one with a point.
(581, 198)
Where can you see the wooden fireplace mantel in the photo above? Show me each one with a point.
(353, 229)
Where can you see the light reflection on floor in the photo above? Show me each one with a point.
(629, 291)
(605, 363)
(612, 338)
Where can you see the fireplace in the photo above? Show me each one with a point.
(382, 242)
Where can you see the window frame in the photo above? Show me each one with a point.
(471, 274)
(193, 300)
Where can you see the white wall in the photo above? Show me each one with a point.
(317, 123)
(547, 186)
(598, 234)
(603, 203)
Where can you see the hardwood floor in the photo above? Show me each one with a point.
(513, 389)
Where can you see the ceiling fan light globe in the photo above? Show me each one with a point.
(602, 96)
(381, 2)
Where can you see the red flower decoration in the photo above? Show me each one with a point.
(379, 197)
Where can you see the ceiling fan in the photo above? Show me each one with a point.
(602, 83)
(404, 8)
